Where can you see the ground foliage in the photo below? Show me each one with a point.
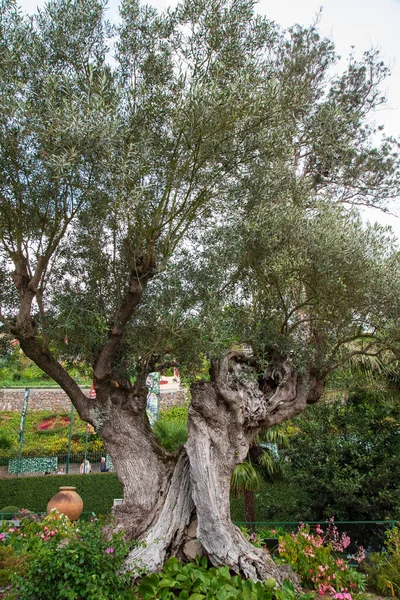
(197, 582)
(79, 561)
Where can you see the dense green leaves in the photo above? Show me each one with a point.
(213, 146)
(345, 458)
(195, 581)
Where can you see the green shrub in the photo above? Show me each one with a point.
(171, 434)
(383, 569)
(195, 581)
(4, 373)
(178, 414)
(279, 501)
(5, 442)
(10, 563)
(69, 560)
(34, 372)
(9, 510)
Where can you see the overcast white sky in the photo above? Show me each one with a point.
(359, 23)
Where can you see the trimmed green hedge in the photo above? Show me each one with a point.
(97, 491)
(279, 501)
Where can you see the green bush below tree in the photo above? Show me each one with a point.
(65, 560)
(195, 581)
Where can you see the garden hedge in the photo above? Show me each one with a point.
(97, 491)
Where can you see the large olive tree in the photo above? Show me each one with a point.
(178, 197)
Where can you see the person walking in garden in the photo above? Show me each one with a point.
(103, 465)
(85, 467)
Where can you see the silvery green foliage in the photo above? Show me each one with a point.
(212, 142)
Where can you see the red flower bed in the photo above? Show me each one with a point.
(53, 423)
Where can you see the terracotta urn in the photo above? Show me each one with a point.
(68, 502)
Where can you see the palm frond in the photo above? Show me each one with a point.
(273, 466)
(171, 434)
(273, 436)
(245, 478)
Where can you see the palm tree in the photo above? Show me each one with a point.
(262, 463)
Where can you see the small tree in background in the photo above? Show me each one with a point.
(262, 463)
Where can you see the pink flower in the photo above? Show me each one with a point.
(2, 536)
(360, 554)
(109, 550)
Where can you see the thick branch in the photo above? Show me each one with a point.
(49, 365)
(222, 380)
(139, 278)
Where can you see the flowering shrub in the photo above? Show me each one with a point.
(53, 422)
(67, 560)
(312, 556)
(24, 513)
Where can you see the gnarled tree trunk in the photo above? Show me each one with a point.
(225, 415)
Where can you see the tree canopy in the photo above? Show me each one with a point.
(212, 145)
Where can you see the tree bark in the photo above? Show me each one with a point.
(142, 465)
(249, 508)
(224, 417)
(167, 534)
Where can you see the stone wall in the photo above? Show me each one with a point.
(56, 400)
